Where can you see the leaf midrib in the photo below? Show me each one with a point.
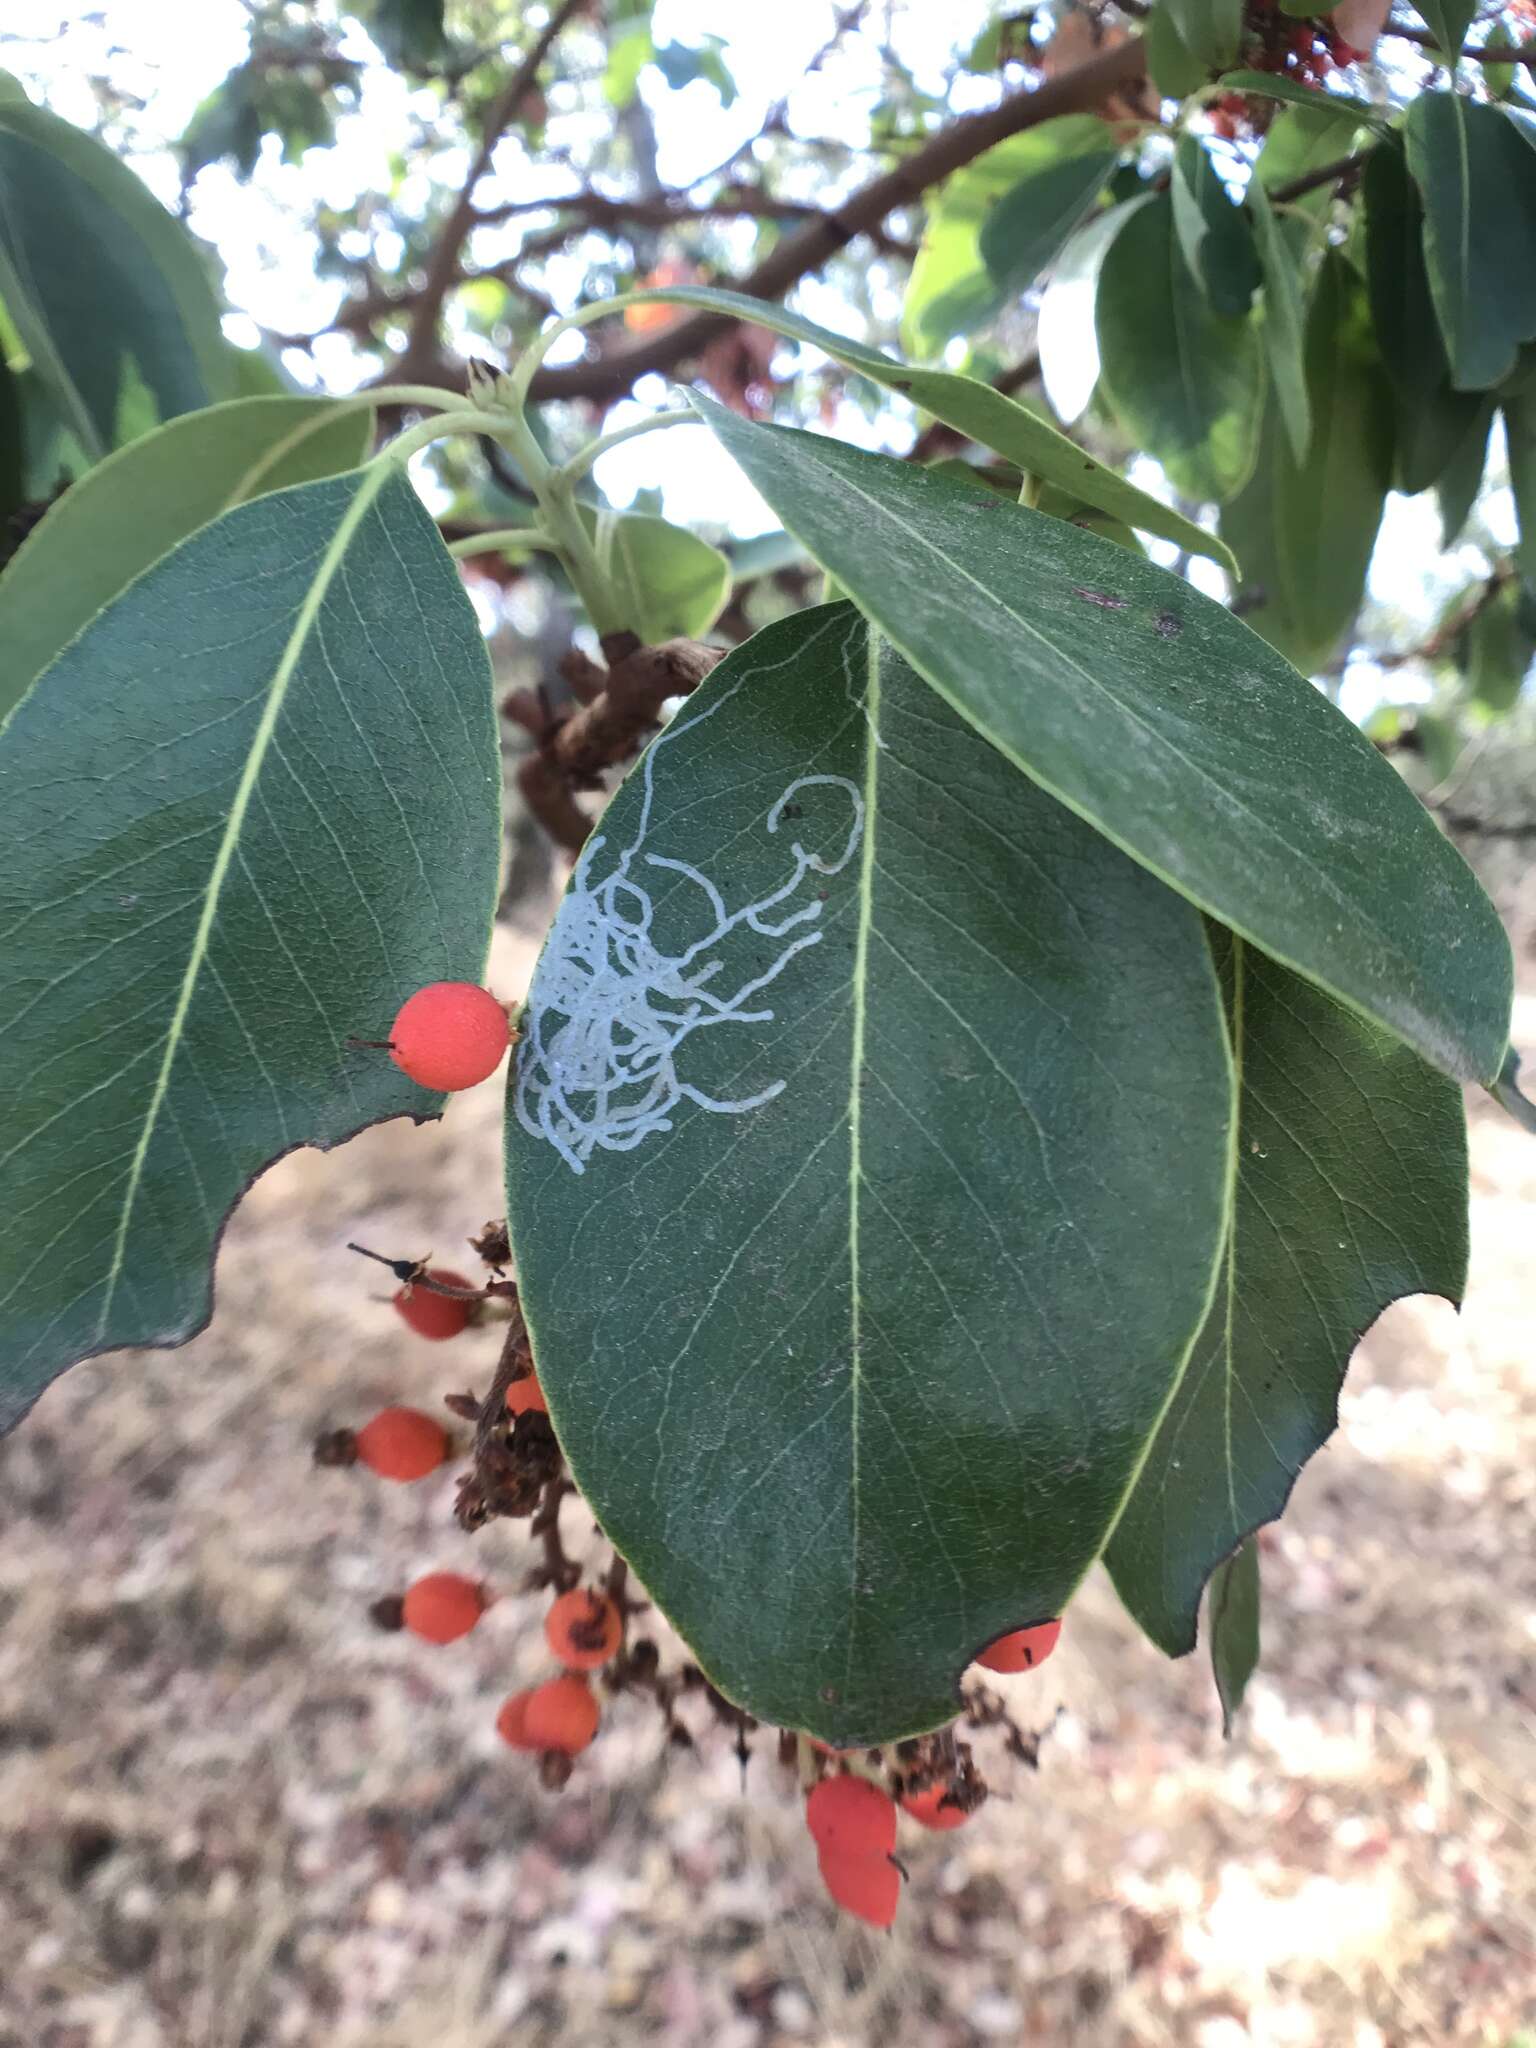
(370, 484)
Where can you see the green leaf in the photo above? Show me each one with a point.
(1302, 138)
(1214, 234)
(1211, 30)
(134, 507)
(1351, 1192)
(13, 461)
(836, 1108)
(673, 584)
(1448, 22)
(410, 33)
(1499, 78)
(1185, 382)
(1462, 477)
(1499, 647)
(1520, 438)
(994, 226)
(1328, 507)
(1234, 1625)
(1477, 176)
(103, 285)
(1327, 107)
(984, 415)
(627, 58)
(1172, 66)
(1067, 337)
(1283, 327)
(1431, 419)
(1151, 711)
(249, 809)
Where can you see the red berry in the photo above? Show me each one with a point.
(435, 1315)
(450, 1034)
(510, 1721)
(867, 1886)
(442, 1607)
(526, 1395)
(561, 1714)
(851, 1817)
(1022, 1649)
(928, 1809)
(402, 1443)
(583, 1629)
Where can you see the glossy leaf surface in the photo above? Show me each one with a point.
(841, 1179)
(1165, 721)
(250, 809)
(129, 510)
(103, 285)
(1351, 1192)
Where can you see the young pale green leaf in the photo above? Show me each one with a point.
(1211, 30)
(1067, 337)
(859, 1247)
(994, 226)
(131, 509)
(103, 285)
(982, 414)
(1172, 66)
(1431, 419)
(1330, 107)
(1282, 329)
(671, 584)
(1462, 478)
(1520, 439)
(1214, 234)
(1448, 22)
(249, 809)
(1351, 1192)
(1163, 720)
(1234, 1626)
(1185, 381)
(1476, 174)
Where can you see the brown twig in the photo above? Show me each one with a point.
(1478, 53)
(420, 346)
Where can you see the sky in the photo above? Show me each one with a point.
(172, 53)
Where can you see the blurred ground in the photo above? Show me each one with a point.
(233, 1814)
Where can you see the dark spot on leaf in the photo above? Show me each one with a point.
(1101, 598)
(1168, 627)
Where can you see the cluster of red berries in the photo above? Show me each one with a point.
(1278, 43)
(516, 1470)
(852, 1815)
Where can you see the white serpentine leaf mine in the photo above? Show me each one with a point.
(609, 1012)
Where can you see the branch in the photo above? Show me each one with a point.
(1479, 54)
(455, 231)
(1325, 174)
(1079, 90)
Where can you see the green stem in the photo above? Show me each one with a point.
(561, 519)
(502, 537)
(405, 445)
(583, 460)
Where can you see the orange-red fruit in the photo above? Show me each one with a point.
(1023, 1649)
(927, 1808)
(442, 1607)
(450, 1034)
(527, 1395)
(560, 1714)
(866, 1886)
(850, 1816)
(402, 1443)
(510, 1722)
(583, 1629)
(435, 1315)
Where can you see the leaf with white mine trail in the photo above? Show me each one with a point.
(867, 1165)
(249, 809)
